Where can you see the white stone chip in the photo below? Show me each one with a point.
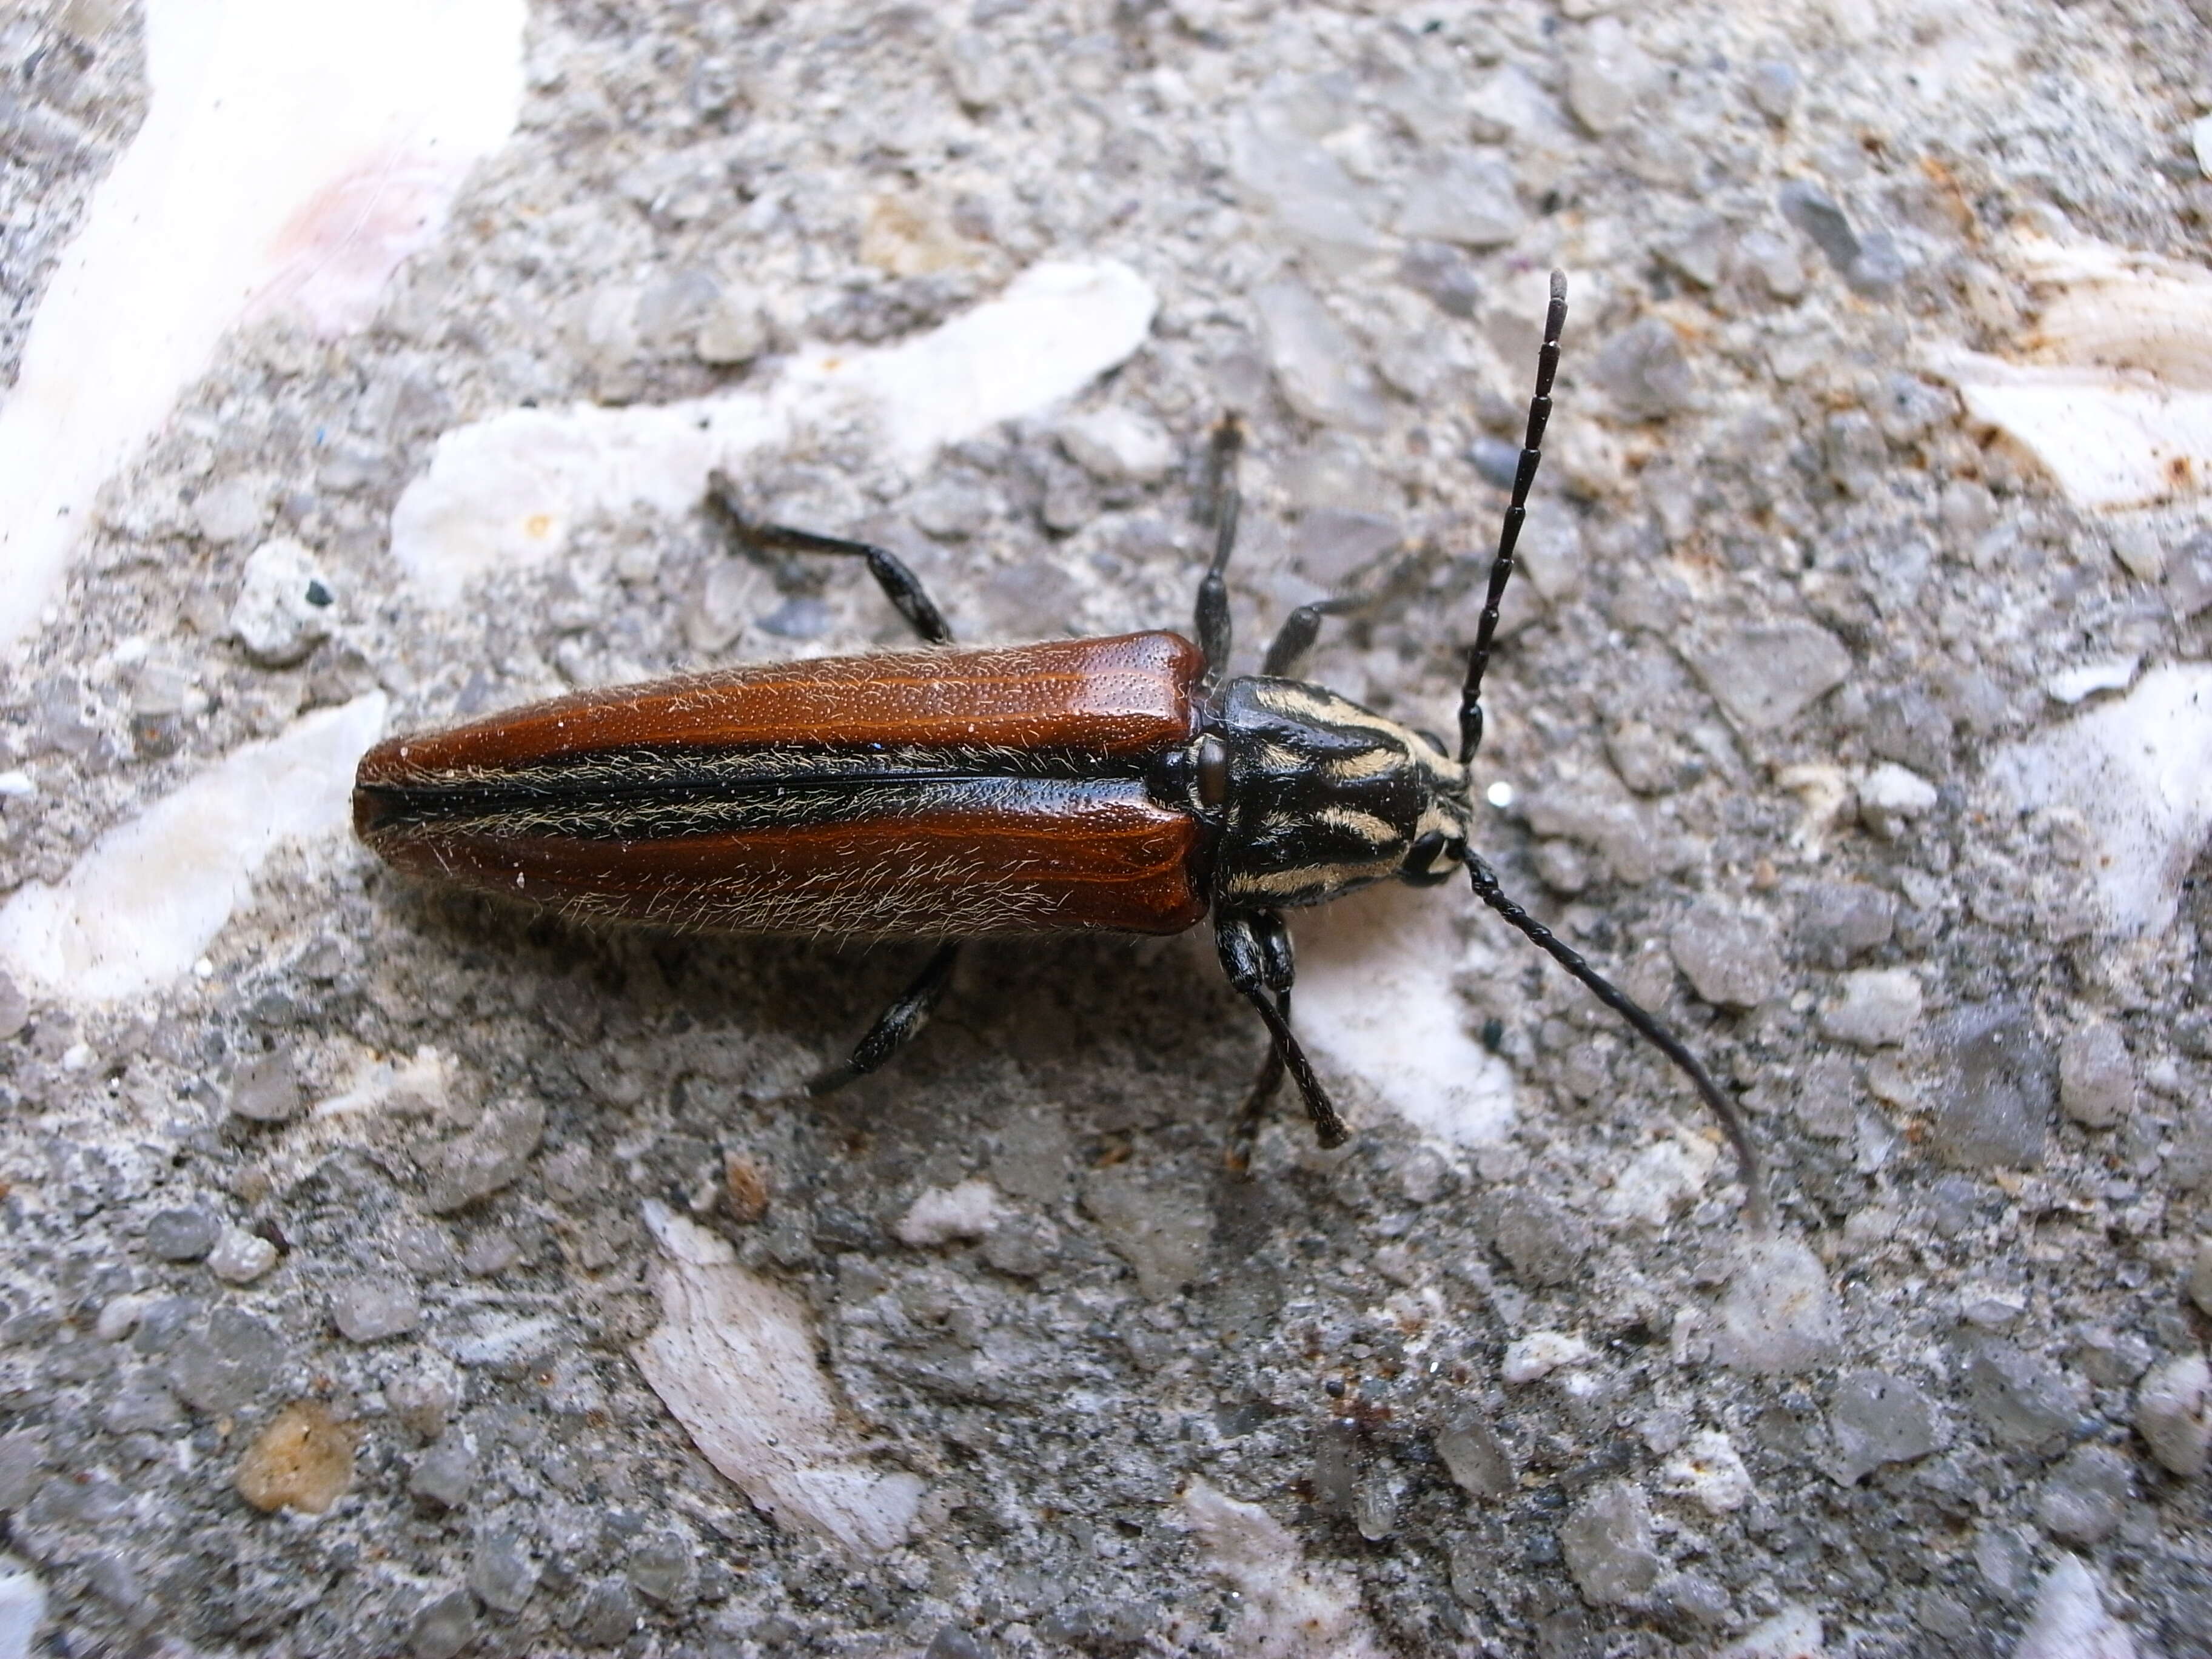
(291, 156)
(151, 894)
(22, 1607)
(1116, 445)
(240, 1257)
(1792, 1633)
(1708, 1469)
(2072, 685)
(940, 1214)
(1659, 1180)
(2069, 1620)
(2139, 771)
(1540, 1353)
(2115, 396)
(1879, 1006)
(1893, 788)
(2173, 1414)
(734, 1359)
(277, 617)
(506, 493)
(1291, 1610)
(1780, 1317)
(1372, 1004)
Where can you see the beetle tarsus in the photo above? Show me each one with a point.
(1646, 1025)
(900, 1023)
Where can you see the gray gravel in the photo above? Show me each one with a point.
(1776, 550)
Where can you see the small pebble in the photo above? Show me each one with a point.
(1793, 1633)
(608, 1613)
(2022, 1398)
(730, 331)
(15, 1006)
(2200, 143)
(1816, 212)
(371, 1310)
(1765, 675)
(1462, 197)
(1445, 275)
(240, 1257)
(1117, 445)
(1772, 87)
(142, 1405)
(1773, 259)
(660, 1568)
(1606, 73)
(1780, 1316)
(444, 1626)
(2069, 1620)
(302, 1460)
(1540, 1241)
(1997, 1107)
(1729, 954)
(2096, 1075)
(1163, 1231)
(1540, 1353)
(1877, 1419)
(1471, 1449)
(1645, 371)
(224, 1363)
(283, 607)
(502, 1572)
(2173, 1414)
(2084, 1497)
(267, 1091)
(1331, 543)
(1878, 1007)
(231, 510)
(1878, 267)
(489, 1157)
(1321, 372)
(939, 1215)
(1610, 1545)
(182, 1235)
(2200, 1277)
(446, 1474)
(1838, 921)
(1891, 798)
(489, 1253)
(1709, 1470)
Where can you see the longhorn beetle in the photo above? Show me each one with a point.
(1127, 785)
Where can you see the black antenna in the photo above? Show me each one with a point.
(1501, 567)
(1748, 1162)
(1470, 739)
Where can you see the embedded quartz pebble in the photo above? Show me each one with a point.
(733, 1358)
(2114, 397)
(505, 493)
(145, 900)
(290, 158)
(2138, 769)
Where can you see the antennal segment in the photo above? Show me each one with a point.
(1508, 537)
(1748, 1162)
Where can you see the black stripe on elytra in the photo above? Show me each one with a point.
(650, 803)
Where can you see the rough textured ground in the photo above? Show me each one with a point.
(1769, 560)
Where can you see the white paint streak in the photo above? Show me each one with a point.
(2139, 772)
(505, 493)
(734, 1361)
(1290, 1610)
(292, 155)
(1375, 998)
(151, 894)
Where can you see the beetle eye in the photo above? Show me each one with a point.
(1211, 773)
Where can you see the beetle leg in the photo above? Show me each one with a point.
(1280, 970)
(1214, 630)
(1288, 652)
(900, 1024)
(899, 585)
(1250, 962)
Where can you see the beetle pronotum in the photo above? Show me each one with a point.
(1121, 784)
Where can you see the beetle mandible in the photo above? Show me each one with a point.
(1125, 785)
